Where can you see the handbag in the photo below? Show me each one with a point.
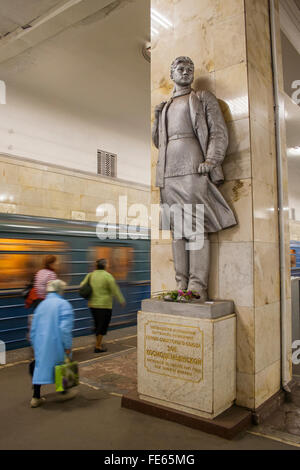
(66, 376)
(26, 291)
(31, 298)
(86, 289)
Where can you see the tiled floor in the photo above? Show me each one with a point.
(95, 419)
(115, 374)
(284, 424)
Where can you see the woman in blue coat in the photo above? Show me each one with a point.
(51, 337)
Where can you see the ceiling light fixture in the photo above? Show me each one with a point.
(293, 152)
(147, 51)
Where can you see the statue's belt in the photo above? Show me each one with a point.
(181, 136)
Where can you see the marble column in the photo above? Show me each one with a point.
(229, 41)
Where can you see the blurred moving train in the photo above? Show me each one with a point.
(295, 258)
(25, 241)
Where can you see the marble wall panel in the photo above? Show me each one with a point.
(75, 185)
(53, 181)
(237, 163)
(205, 81)
(245, 390)
(265, 212)
(33, 197)
(238, 194)
(162, 273)
(267, 336)
(6, 208)
(236, 273)
(10, 193)
(30, 177)
(263, 154)
(229, 8)
(266, 273)
(261, 99)
(267, 383)
(237, 166)
(187, 12)
(245, 340)
(258, 36)
(39, 190)
(229, 42)
(232, 90)
(8, 173)
(200, 49)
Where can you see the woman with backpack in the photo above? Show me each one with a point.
(103, 288)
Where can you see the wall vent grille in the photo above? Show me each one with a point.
(107, 164)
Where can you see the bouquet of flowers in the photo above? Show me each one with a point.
(184, 296)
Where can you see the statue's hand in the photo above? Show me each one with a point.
(205, 168)
(158, 109)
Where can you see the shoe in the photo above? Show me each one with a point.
(67, 395)
(99, 351)
(36, 402)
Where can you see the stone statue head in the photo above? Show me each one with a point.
(182, 71)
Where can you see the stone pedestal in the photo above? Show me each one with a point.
(187, 356)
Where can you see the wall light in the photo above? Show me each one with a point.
(293, 152)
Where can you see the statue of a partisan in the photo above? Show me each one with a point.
(192, 138)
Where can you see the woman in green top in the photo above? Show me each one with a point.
(104, 289)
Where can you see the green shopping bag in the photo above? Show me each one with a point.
(66, 375)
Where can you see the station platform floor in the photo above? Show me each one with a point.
(94, 420)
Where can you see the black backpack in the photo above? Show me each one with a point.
(86, 289)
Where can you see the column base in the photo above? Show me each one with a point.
(227, 425)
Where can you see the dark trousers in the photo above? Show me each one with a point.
(36, 388)
(102, 317)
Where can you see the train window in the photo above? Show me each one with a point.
(21, 259)
(293, 258)
(119, 259)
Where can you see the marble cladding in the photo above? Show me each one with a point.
(229, 40)
(39, 190)
(187, 363)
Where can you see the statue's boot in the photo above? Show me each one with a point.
(181, 263)
(199, 270)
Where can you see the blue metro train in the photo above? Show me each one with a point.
(295, 258)
(25, 241)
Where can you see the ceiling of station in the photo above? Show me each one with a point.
(13, 14)
(95, 67)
